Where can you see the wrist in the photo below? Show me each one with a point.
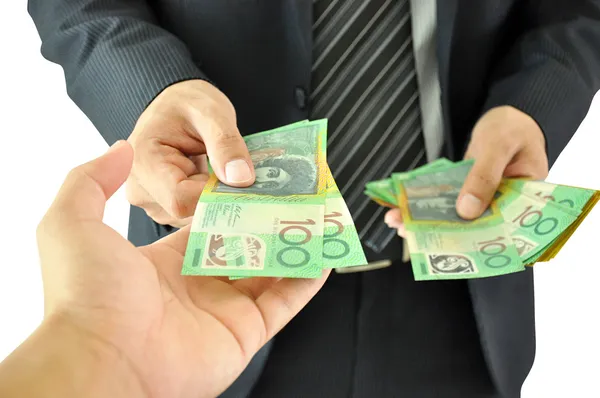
(59, 359)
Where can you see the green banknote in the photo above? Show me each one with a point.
(435, 164)
(286, 127)
(558, 243)
(383, 190)
(532, 222)
(573, 200)
(274, 227)
(341, 244)
(442, 245)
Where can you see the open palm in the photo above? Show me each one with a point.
(182, 336)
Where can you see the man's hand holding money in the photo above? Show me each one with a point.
(505, 143)
(171, 141)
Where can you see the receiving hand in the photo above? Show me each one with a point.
(171, 140)
(505, 143)
(164, 334)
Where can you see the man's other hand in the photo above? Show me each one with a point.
(505, 143)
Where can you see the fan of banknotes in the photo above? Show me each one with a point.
(527, 222)
(293, 222)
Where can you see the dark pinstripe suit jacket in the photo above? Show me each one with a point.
(541, 56)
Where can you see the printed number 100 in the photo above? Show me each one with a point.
(493, 251)
(294, 255)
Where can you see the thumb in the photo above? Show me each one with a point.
(86, 189)
(481, 185)
(228, 154)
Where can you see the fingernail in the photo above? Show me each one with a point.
(237, 171)
(469, 206)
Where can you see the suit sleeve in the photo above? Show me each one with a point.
(552, 71)
(115, 56)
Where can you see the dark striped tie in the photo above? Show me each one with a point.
(364, 81)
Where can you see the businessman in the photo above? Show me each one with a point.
(401, 82)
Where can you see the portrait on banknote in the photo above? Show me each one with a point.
(282, 167)
(280, 176)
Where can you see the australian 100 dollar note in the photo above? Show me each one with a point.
(341, 244)
(274, 227)
(383, 192)
(532, 223)
(443, 245)
(572, 198)
(549, 226)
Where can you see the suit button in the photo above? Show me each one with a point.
(300, 96)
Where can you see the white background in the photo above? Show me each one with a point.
(44, 135)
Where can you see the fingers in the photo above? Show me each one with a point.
(492, 146)
(201, 163)
(160, 216)
(227, 151)
(180, 223)
(481, 185)
(179, 128)
(505, 142)
(86, 189)
(393, 219)
(186, 195)
(401, 231)
(171, 180)
(284, 299)
(214, 120)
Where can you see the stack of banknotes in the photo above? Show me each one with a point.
(527, 222)
(292, 222)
